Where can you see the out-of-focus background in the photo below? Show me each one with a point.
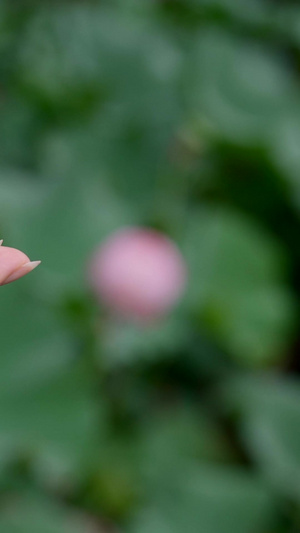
(182, 116)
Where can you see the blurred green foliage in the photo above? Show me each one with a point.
(182, 115)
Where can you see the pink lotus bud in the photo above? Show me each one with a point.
(138, 273)
(14, 264)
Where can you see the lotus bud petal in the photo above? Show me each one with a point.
(14, 264)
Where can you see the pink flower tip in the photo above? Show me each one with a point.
(138, 273)
(14, 264)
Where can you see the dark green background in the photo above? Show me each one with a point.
(183, 116)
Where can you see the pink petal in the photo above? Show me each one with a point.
(14, 264)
